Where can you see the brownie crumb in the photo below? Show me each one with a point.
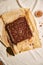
(9, 50)
(42, 35)
(40, 25)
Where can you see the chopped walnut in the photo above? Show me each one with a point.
(38, 13)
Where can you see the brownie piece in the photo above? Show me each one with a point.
(18, 30)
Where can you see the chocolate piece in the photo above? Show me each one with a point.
(18, 30)
(9, 50)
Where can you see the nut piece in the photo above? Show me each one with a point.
(38, 13)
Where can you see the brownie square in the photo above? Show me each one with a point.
(18, 30)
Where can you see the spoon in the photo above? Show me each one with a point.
(8, 49)
(27, 4)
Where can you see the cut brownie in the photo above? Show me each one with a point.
(18, 30)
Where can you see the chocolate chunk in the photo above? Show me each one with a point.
(9, 50)
(18, 30)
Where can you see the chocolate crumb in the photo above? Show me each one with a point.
(40, 25)
(40, 39)
(32, 43)
(42, 35)
(9, 50)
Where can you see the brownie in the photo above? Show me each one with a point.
(18, 30)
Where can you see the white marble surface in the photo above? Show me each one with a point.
(7, 5)
(28, 4)
(33, 57)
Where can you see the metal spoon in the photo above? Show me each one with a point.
(8, 49)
